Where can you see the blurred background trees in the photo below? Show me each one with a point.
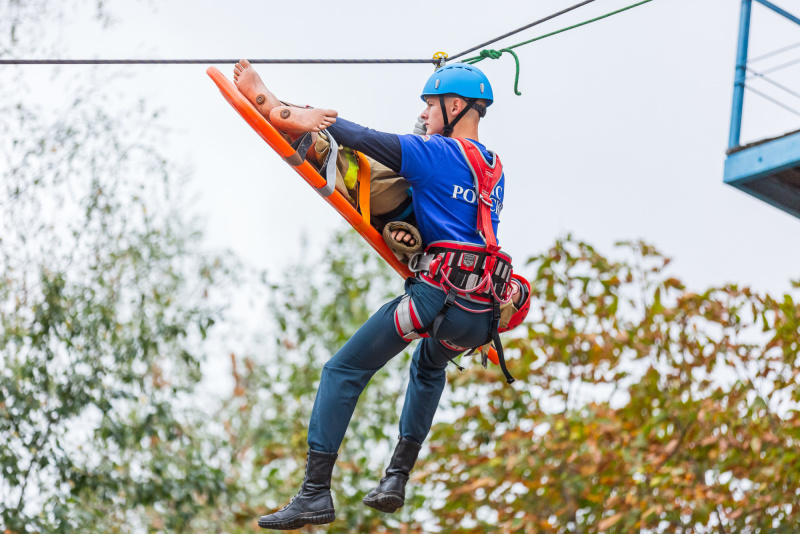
(640, 405)
(645, 408)
(104, 305)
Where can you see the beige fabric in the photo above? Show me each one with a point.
(398, 248)
(507, 310)
(387, 188)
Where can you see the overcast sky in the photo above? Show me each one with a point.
(620, 132)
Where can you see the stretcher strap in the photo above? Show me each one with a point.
(300, 146)
(329, 168)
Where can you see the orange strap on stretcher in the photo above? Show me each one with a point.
(359, 221)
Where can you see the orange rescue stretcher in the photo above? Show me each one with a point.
(359, 220)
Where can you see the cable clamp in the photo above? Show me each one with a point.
(442, 59)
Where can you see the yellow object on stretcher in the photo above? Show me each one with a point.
(358, 220)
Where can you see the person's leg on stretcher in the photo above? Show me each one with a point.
(389, 193)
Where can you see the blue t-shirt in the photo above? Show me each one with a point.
(445, 203)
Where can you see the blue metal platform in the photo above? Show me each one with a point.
(769, 169)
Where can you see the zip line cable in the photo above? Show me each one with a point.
(584, 23)
(438, 58)
(434, 60)
(495, 54)
(203, 61)
(531, 25)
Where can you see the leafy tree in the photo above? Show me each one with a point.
(314, 310)
(104, 306)
(641, 407)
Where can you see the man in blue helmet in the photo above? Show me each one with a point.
(452, 304)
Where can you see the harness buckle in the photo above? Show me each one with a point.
(414, 263)
(434, 266)
(421, 262)
(451, 298)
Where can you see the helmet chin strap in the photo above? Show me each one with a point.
(471, 104)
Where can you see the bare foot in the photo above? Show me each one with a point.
(251, 86)
(401, 236)
(300, 120)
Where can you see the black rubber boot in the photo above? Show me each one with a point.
(391, 492)
(313, 504)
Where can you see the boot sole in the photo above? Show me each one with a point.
(386, 503)
(300, 520)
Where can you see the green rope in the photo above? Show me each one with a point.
(495, 54)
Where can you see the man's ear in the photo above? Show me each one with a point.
(457, 105)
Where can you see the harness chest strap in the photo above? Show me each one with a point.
(486, 177)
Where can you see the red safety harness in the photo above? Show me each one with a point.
(480, 274)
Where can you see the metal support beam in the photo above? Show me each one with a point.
(741, 73)
(780, 11)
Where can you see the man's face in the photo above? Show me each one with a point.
(432, 115)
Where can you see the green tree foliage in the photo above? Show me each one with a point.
(315, 309)
(104, 305)
(640, 407)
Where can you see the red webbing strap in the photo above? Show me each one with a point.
(487, 178)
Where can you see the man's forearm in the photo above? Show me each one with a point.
(381, 146)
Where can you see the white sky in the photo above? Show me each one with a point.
(620, 132)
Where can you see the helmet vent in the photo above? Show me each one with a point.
(437, 85)
(481, 88)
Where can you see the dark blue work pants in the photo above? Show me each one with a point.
(346, 374)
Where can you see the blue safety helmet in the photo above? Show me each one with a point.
(462, 80)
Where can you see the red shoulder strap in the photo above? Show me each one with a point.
(486, 177)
